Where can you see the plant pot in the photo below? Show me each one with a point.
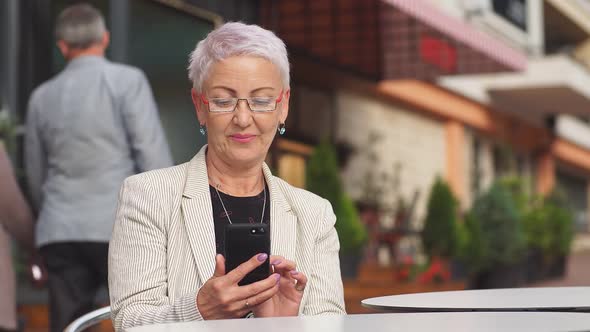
(349, 265)
(534, 266)
(502, 276)
(458, 270)
(556, 267)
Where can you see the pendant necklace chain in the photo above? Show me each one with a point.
(225, 210)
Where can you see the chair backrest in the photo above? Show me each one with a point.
(89, 319)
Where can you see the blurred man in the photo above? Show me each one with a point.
(88, 128)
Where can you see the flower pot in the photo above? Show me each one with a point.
(349, 265)
(556, 267)
(501, 276)
(534, 266)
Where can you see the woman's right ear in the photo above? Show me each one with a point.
(196, 97)
(196, 100)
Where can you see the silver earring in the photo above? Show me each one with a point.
(282, 129)
(203, 130)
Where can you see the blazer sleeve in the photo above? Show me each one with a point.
(35, 155)
(144, 129)
(325, 294)
(137, 261)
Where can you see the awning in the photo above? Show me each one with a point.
(387, 39)
(462, 32)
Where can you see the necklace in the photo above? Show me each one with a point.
(225, 210)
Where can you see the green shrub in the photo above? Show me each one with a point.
(469, 248)
(323, 179)
(496, 233)
(560, 223)
(439, 236)
(350, 229)
(322, 174)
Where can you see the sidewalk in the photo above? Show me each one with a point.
(577, 274)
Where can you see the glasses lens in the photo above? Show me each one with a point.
(222, 104)
(262, 104)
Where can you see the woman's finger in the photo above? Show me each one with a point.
(252, 290)
(281, 265)
(219, 266)
(261, 297)
(234, 276)
(300, 280)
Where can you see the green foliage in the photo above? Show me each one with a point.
(7, 131)
(496, 235)
(350, 229)
(323, 179)
(439, 236)
(322, 174)
(547, 221)
(560, 223)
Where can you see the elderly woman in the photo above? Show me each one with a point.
(165, 261)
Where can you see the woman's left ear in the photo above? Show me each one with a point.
(285, 106)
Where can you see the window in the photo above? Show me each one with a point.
(161, 50)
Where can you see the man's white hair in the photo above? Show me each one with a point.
(80, 26)
(235, 38)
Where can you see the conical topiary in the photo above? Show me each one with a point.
(496, 221)
(323, 179)
(439, 233)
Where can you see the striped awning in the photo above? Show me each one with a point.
(462, 32)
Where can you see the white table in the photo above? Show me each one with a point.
(414, 322)
(509, 299)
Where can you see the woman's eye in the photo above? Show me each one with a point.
(222, 102)
(261, 101)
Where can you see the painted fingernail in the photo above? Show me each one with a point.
(294, 273)
(277, 277)
(276, 262)
(262, 257)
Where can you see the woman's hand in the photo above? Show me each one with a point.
(287, 300)
(37, 271)
(221, 297)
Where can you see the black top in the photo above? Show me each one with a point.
(240, 210)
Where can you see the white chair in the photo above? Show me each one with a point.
(90, 319)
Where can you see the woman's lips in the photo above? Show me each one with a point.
(242, 138)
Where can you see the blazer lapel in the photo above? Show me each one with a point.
(283, 223)
(198, 216)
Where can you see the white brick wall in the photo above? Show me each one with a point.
(415, 141)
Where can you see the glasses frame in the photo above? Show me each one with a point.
(277, 101)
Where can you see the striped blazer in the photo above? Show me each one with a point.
(163, 245)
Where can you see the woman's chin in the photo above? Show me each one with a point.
(246, 155)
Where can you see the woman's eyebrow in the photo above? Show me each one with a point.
(263, 88)
(234, 92)
(224, 88)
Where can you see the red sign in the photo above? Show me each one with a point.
(438, 53)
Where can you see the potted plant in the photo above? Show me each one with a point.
(323, 179)
(496, 240)
(439, 235)
(560, 224)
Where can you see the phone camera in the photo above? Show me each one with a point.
(253, 231)
(261, 229)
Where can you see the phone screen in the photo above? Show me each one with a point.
(242, 241)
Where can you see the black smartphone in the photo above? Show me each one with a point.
(242, 241)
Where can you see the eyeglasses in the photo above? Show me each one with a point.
(256, 104)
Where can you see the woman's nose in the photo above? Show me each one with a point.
(243, 114)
